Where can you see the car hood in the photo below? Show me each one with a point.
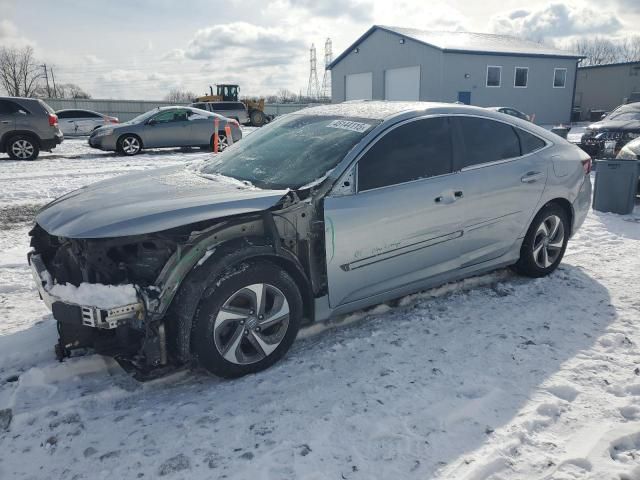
(150, 201)
(616, 125)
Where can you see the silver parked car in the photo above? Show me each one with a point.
(82, 122)
(322, 212)
(165, 127)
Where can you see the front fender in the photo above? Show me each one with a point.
(179, 317)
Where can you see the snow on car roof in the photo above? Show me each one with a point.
(376, 110)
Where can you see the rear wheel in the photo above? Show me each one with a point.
(247, 319)
(223, 143)
(129, 145)
(257, 118)
(545, 243)
(23, 147)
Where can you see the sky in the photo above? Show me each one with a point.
(140, 49)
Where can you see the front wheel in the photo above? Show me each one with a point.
(545, 243)
(129, 145)
(247, 319)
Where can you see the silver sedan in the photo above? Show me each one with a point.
(166, 127)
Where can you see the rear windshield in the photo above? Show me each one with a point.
(47, 107)
(291, 152)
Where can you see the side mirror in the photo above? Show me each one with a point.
(152, 122)
(22, 112)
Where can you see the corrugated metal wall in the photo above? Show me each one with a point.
(128, 109)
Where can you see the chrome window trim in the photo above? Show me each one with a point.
(486, 80)
(353, 168)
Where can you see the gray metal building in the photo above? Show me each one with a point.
(622, 81)
(395, 63)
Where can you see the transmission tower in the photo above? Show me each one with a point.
(313, 90)
(328, 58)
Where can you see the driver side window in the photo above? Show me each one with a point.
(171, 116)
(418, 149)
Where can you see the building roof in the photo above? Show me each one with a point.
(467, 42)
(619, 64)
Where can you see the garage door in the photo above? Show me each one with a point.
(402, 83)
(359, 86)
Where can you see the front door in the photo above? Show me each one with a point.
(502, 180)
(402, 223)
(169, 128)
(8, 112)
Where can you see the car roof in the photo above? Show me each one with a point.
(383, 109)
(78, 110)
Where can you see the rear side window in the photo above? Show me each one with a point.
(7, 107)
(529, 143)
(221, 107)
(64, 114)
(486, 141)
(87, 114)
(419, 149)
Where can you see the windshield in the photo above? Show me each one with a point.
(291, 152)
(624, 115)
(144, 116)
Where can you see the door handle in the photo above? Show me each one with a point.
(6, 122)
(531, 177)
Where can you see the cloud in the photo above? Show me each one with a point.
(241, 38)
(632, 5)
(10, 36)
(555, 20)
(358, 10)
(175, 54)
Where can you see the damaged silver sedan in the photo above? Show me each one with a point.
(322, 212)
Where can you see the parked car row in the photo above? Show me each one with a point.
(28, 125)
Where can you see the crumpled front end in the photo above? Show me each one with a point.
(99, 291)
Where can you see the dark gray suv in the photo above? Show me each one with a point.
(27, 125)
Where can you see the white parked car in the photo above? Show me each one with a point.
(82, 122)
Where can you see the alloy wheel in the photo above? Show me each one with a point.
(131, 145)
(251, 324)
(22, 149)
(548, 241)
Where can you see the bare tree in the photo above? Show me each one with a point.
(601, 51)
(20, 74)
(176, 95)
(71, 90)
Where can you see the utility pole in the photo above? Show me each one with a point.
(46, 76)
(53, 79)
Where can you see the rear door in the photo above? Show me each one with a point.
(403, 222)
(86, 121)
(8, 110)
(502, 179)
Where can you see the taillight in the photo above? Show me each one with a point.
(112, 120)
(53, 120)
(586, 166)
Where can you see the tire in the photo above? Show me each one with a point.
(545, 243)
(257, 118)
(231, 336)
(222, 142)
(23, 147)
(129, 145)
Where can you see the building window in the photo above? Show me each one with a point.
(521, 77)
(559, 77)
(494, 76)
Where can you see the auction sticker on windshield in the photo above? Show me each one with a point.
(350, 125)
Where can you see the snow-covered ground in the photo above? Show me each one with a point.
(495, 377)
